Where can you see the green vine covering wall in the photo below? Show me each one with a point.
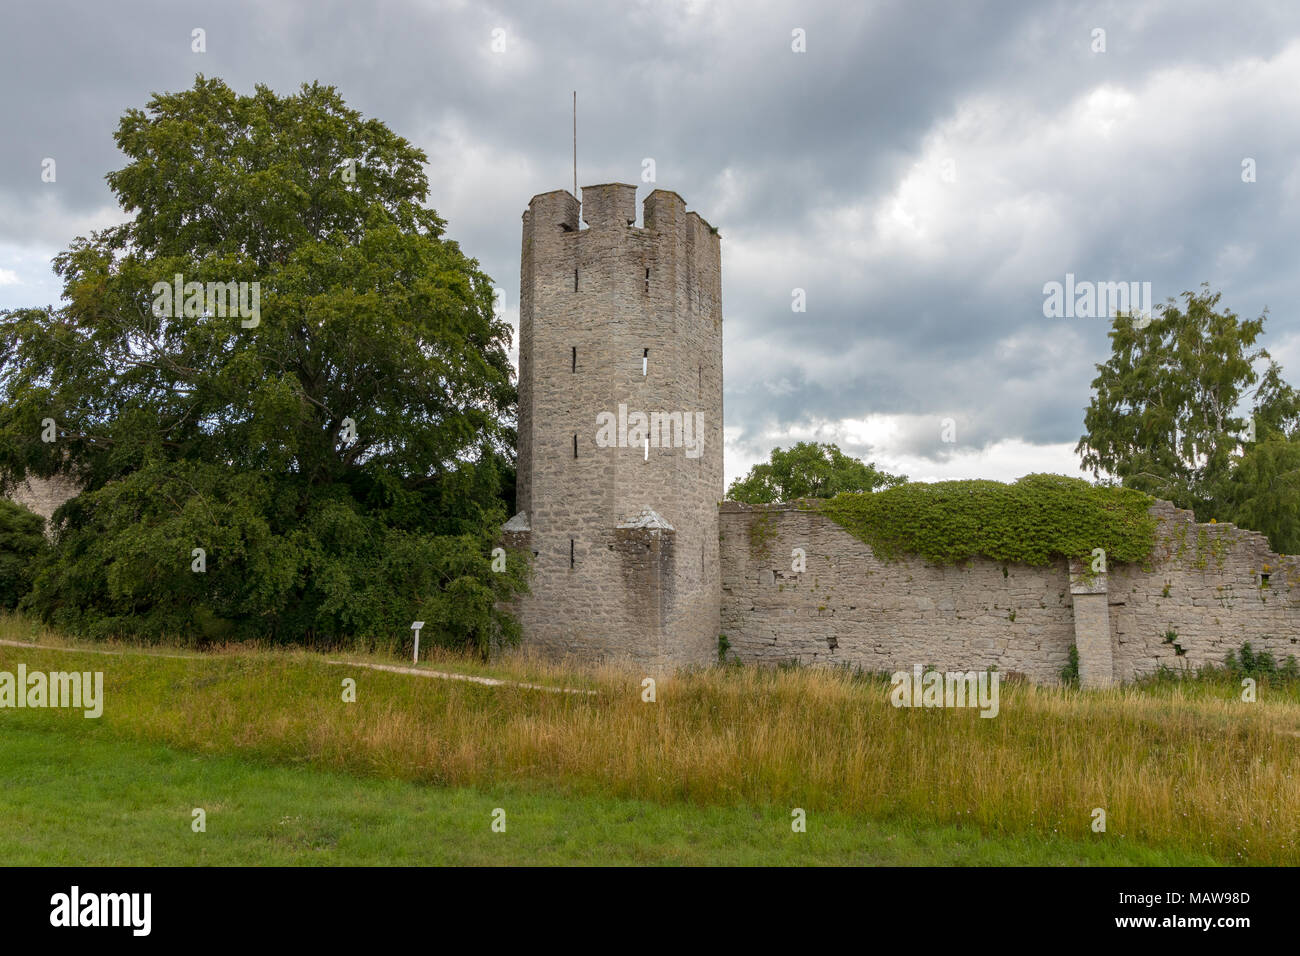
(1033, 521)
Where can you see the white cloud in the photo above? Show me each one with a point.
(871, 439)
(26, 276)
(45, 219)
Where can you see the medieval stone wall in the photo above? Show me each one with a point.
(850, 608)
(1203, 594)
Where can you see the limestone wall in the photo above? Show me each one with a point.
(1204, 583)
(851, 608)
(43, 495)
(848, 607)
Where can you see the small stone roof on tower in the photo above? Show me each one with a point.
(647, 519)
(518, 523)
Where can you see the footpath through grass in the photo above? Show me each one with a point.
(709, 772)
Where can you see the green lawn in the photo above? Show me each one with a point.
(86, 799)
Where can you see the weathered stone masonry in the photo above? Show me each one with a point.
(616, 316)
(43, 495)
(634, 558)
(1203, 584)
(850, 607)
(1215, 586)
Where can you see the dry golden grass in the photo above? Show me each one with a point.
(1187, 767)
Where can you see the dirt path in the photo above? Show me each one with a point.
(446, 675)
(441, 675)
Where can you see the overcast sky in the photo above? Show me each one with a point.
(921, 170)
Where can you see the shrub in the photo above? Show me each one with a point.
(724, 646)
(1070, 672)
(1251, 663)
(1244, 662)
(22, 544)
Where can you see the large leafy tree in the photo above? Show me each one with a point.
(1182, 411)
(809, 470)
(340, 457)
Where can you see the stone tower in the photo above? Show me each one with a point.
(620, 428)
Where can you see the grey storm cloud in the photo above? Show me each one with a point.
(920, 171)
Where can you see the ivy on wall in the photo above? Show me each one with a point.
(1034, 520)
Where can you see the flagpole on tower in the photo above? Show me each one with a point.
(575, 144)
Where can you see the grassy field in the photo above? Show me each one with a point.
(410, 773)
(72, 802)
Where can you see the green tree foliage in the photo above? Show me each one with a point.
(1164, 418)
(1263, 490)
(1035, 520)
(1263, 493)
(201, 430)
(22, 542)
(809, 470)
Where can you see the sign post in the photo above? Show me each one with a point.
(415, 626)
